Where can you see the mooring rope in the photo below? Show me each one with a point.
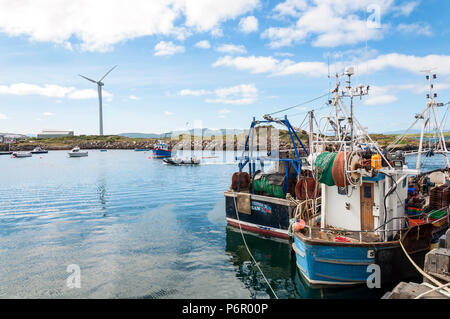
(438, 288)
(436, 282)
(249, 252)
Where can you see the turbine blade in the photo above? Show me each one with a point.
(107, 73)
(87, 78)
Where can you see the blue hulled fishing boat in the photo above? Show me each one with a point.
(161, 150)
(263, 201)
(376, 215)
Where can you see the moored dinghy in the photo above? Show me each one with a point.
(22, 154)
(39, 150)
(76, 152)
(179, 161)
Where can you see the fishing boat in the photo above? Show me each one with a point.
(367, 193)
(76, 152)
(262, 201)
(179, 161)
(22, 154)
(141, 150)
(161, 150)
(38, 150)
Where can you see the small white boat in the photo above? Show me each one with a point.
(76, 152)
(39, 150)
(22, 154)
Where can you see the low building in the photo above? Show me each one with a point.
(54, 133)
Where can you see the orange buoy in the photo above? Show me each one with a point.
(376, 161)
(299, 225)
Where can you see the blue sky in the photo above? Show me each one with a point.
(218, 62)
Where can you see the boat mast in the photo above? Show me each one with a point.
(430, 112)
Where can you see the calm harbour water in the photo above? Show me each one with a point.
(137, 229)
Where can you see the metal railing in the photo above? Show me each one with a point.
(377, 230)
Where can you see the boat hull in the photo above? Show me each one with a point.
(22, 155)
(338, 264)
(78, 154)
(157, 153)
(39, 152)
(269, 216)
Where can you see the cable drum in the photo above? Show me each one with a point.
(341, 176)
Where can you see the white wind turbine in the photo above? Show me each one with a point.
(99, 85)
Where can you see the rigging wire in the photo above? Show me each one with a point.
(301, 104)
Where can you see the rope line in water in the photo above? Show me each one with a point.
(249, 252)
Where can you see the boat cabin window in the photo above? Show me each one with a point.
(367, 191)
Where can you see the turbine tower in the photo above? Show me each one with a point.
(99, 85)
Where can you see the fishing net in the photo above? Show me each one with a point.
(323, 168)
(270, 184)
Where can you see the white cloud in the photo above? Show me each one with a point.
(382, 99)
(380, 95)
(133, 97)
(291, 7)
(48, 90)
(406, 8)
(248, 24)
(239, 94)
(52, 90)
(167, 48)
(217, 33)
(99, 29)
(224, 111)
(231, 49)
(89, 94)
(167, 113)
(186, 92)
(284, 54)
(3, 116)
(204, 44)
(409, 63)
(329, 23)
(415, 28)
(272, 66)
(47, 113)
(253, 64)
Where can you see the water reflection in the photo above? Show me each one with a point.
(278, 264)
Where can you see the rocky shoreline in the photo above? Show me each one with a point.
(149, 144)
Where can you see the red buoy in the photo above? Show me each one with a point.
(299, 225)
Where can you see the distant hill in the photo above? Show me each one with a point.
(205, 132)
(141, 135)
